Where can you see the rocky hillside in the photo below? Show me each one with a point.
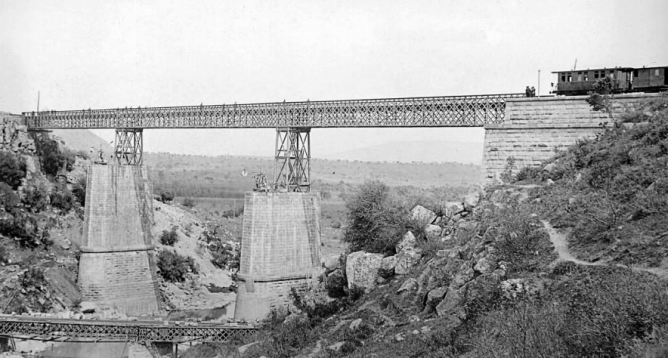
(564, 260)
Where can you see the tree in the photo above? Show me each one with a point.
(12, 169)
(601, 97)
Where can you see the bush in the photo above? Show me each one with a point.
(23, 228)
(169, 238)
(610, 308)
(188, 202)
(51, 157)
(174, 267)
(166, 196)
(284, 339)
(8, 199)
(79, 191)
(36, 197)
(12, 169)
(375, 223)
(63, 200)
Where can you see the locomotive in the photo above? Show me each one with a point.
(624, 79)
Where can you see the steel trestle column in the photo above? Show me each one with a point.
(129, 146)
(292, 167)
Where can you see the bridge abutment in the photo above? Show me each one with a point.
(117, 265)
(536, 128)
(280, 249)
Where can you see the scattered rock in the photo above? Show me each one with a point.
(387, 266)
(407, 243)
(422, 214)
(484, 265)
(331, 263)
(550, 167)
(409, 285)
(452, 305)
(453, 208)
(355, 324)
(435, 296)
(433, 232)
(471, 200)
(405, 261)
(399, 337)
(336, 346)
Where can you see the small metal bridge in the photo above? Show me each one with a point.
(292, 120)
(91, 331)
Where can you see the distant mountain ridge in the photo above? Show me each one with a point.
(407, 152)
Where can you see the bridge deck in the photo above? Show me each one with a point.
(450, 111)
(52, 329)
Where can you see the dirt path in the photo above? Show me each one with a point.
(560, 244)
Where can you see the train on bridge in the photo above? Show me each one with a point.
(624, 80)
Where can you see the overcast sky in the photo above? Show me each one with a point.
(95, 54)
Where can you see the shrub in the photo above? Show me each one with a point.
(166, 196)
(188, 202)
(174, 267)
(36, 197)
(284, 339)
(609, 308)
(79, 190)
(519, 237)
(12, 169)
(23, 228)
(8, 199)
(375, 223)
(169, 238)
(63, 200)
(51, 157)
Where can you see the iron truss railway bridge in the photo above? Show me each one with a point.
(144, 332)
(292, 120)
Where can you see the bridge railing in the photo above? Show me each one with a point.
(450, 111)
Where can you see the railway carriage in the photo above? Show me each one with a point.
(624, 79)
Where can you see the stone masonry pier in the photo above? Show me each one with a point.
(536, 127)
(280, 249)
(117, 266)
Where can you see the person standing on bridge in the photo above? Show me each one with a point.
(527, 92)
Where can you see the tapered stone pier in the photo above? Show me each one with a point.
(117, 266)
(280, 249)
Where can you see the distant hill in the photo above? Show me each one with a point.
(416, 151)
(82, 139)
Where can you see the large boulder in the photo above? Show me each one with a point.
(362, 269)
(422, 214)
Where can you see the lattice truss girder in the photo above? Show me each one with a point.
(129, 146)
(47, 330)
(292, 166)
(453, 111)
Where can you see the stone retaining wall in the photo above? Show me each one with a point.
(535, 128)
